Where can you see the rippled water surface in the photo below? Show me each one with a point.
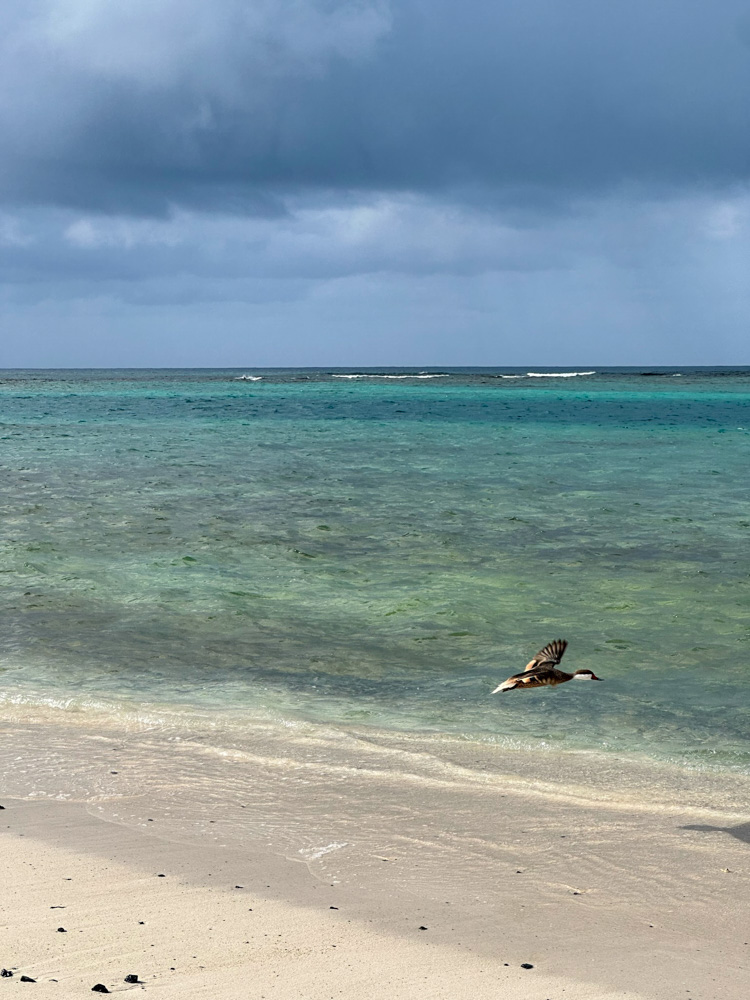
(381, 548)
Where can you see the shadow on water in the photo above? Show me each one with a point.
(740, 832)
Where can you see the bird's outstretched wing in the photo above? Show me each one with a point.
(549, 656)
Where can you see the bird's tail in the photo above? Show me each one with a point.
(506, 686)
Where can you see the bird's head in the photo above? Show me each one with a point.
(585, 675)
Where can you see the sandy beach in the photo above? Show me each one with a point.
(602, 898)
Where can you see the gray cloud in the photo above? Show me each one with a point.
(134, 108)
(374, 182)
(407, 234)
(380, 280)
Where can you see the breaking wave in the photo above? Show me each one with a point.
(557, 374)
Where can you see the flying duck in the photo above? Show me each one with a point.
(542, 670)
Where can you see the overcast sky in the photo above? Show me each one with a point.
(372, 182)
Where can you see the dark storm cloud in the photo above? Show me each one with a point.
(374, 182)
(229, 106)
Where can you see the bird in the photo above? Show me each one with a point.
(542, 670)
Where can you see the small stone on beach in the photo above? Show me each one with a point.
(423, 928)
(526, 965)
(99, 988)
(61, 930)
(5, 973)
(27, 979)
(132, 978)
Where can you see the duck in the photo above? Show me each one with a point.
(542, 670)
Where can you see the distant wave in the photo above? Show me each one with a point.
(421, 375)
(557, 374)
(546, 375)
(248, 378)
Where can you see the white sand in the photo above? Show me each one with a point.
(217, 942)
(604, 895)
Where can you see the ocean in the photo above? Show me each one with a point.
(379, 548)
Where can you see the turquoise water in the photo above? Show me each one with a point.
(382, 551)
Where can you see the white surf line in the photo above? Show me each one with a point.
(557, 374)
(451, 776)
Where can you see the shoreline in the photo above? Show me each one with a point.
(601, 893)
(588, 775)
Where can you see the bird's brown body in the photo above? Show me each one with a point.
(542, 671)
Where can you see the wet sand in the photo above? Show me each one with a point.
(445, 894)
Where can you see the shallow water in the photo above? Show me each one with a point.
(381, 551)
